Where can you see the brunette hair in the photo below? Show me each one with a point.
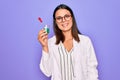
(58, 33)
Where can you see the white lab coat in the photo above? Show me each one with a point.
(84, 60)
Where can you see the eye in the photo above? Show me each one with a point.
(67, 16)
(58, 18)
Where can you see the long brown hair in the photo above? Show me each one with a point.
(58, 33)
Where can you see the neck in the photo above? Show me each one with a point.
(68, 35)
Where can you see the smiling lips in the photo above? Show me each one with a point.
(65, 24)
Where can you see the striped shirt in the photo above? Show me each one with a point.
(66, 62)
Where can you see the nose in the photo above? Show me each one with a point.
(63, 19)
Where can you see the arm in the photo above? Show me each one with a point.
(91, 63)
(45, 63)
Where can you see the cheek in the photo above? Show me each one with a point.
(58, 24)
(71, 23)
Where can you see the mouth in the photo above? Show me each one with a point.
(65, 24)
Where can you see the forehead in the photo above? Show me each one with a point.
(62, 12)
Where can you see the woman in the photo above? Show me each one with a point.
(68, 55)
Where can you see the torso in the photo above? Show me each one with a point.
(79, 57)
(68, 44)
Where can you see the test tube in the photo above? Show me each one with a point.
(46, 28)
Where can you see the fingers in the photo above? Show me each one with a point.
(42, 35)
(42, 32)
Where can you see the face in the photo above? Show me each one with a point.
(63, 19)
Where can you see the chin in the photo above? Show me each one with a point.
(66, 30)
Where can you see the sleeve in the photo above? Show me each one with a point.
(45, 64)
(92, 72)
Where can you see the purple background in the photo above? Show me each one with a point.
(20, 51)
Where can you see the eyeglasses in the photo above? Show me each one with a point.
(60, 19)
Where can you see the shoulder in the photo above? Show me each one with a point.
(84, 38)
(52, 40)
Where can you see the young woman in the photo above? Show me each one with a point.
(68, 55)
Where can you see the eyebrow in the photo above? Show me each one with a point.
(63, 16)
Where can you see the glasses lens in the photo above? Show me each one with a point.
(60, 19)
(67, 17)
